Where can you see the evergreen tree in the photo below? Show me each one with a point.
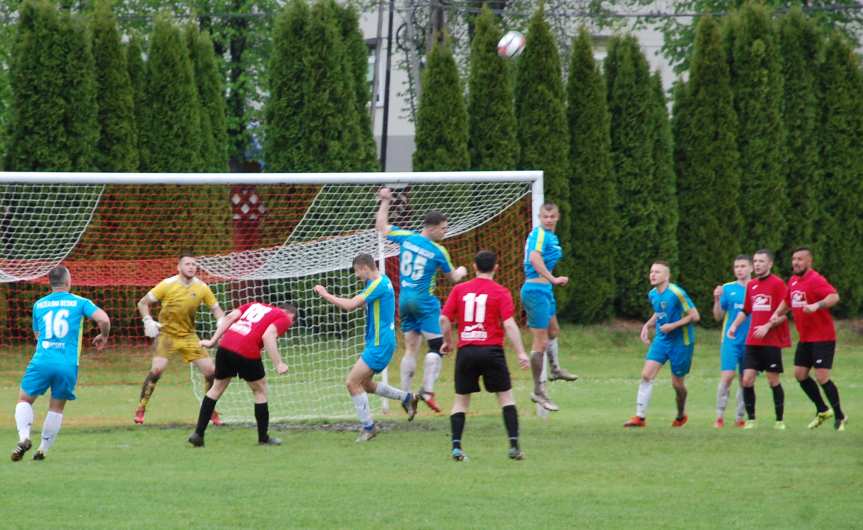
(36, 123)
(632, 103)
(543, 135)
(441, 127)
(840, 229)
(170, 135)
(595, 225)
(137, 76)
(208, 80)
(756, 80)
(329, 114)
(284, 147)
(800, 42)
(665, 180)
(492, 143)
(118, 140)
(357, 61)
(81, 109)
(708, 174)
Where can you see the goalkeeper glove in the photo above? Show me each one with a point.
(151, 327)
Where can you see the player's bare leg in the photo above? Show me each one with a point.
(510, 422)
(24, 422)
(208, 370)
(645, 390)
(460, 406)
(537, 366)
(679, 385)
(157, 366)
(408, 366)
(557, 371)
(208, 405)
(50, 427)
(431, 369)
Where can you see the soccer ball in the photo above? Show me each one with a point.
(511, 45)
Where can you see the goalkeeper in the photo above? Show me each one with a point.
(180, 296)
(420, 258)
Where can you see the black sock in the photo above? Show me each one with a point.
(510, 421)
(811, 388)
(207, 407)
(833, 396)
(262, 417)
(456, 422)
(749, 401)
(778, 401)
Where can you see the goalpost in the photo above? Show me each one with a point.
(268, 237)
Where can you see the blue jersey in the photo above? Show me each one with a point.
(380, 311)
(547, 244)
(419, 260)
(670, 306)
(731, 301)
(57, 322)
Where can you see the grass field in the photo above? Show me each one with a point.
(582, 469)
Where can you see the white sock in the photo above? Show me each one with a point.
(407, 369)
(721, 399)
(431, 371)
(50, 428)
(551, 352)
(741, 406)
(23, 419)
(361, 403)
(389, 392)
(645, 388)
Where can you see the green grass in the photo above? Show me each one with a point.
(582, 468)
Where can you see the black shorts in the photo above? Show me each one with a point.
(230, 364)
(487, 361)
(815, 354)
(763, 359)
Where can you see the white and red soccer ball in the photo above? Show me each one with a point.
(511, 45)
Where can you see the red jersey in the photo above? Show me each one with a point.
(763, 296)
(479, 306)
(244, 337)
(808, 289)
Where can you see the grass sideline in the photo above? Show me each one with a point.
(582, 468)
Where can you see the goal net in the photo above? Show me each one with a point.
(268, 237)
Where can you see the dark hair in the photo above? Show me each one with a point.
(549, 206)
(485, 260)
(58, 276)
(365, 260)
(433, 218)
(745, 257)
(288, 307)
(766, 252)
(185, 253)
(661, 262)
(803, 248)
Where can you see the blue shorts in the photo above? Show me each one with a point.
(679, 355)
(60, 378)
(378, 357)
(420, 313)
(731, 356)
(539, 304)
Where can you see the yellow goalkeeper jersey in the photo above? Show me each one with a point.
(180, 303)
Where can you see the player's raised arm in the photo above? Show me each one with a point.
(510, 327)
(345, 304)
(382, 225)
(270, 340)
(222, 325)
(104, 323)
